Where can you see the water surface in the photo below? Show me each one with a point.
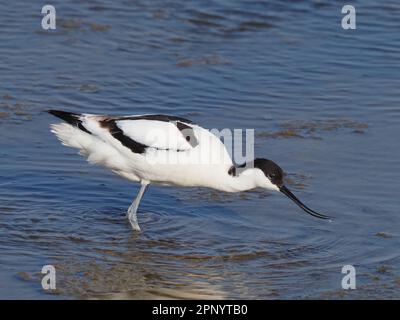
(324, 103)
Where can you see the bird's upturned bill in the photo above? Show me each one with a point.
(291, 196)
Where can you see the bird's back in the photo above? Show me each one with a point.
(158, 148)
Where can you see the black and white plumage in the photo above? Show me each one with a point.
(166, 150)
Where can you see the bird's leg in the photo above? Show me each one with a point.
(131, 214)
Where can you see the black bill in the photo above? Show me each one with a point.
(291, 196)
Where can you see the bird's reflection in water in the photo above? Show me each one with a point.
(139, 273)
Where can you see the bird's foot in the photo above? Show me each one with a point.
(135, 225)
(132, 217)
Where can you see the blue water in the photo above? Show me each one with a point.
(324, 103)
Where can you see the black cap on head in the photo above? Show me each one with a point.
(275, 174)
(271, 170)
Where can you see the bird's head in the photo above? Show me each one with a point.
(270, 176)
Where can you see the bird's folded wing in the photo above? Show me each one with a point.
(162, 135)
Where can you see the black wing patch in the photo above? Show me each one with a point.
(69, 117)
(117, 133)
(187, 133)
(156, 117)
(238, 169)
(137, 147)
(232, 171)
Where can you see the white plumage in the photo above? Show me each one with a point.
(166, 150)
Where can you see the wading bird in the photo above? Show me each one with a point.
(165, 150)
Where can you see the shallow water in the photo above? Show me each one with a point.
(324, 103)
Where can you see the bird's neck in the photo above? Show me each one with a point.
(240, 180)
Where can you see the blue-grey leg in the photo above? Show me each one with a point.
(135, 205)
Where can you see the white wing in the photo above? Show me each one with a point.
(157, 134)
(139, 133)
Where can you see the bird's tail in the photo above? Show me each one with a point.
(74, 119)
(71, 136)
(69, 117)
(72, 133)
